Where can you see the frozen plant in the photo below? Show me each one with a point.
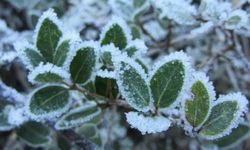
(90, 94)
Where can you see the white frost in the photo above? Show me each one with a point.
(16, 116)
(181, 11)
(47, 68)
(9, 94)
(147, 124)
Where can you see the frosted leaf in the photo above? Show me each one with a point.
(147, 124)
(133, 83)
(34, 134)
(48, 102)
(203, 96)
(181, 73)
(51, 15)
(178, 10)
(83, 62)
(236, 20)
(17, 116)
(65, 44)
(155, 30)
(219, 123)
(48, 73)
(10, 94)
(29, 54)
(78, 116)
(118, 27)
(237, 136)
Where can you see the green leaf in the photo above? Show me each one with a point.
(78, 116)
(225, 115)
(34, 134)
(237, 135)
(220, 119)
(116, 32)
(34, 58)
(136, 31)
(49, 101)
(4, 109)
(166, 83)
(196, 110)
(132, 83)
(48, 35)
(83, 64)
(61, 53)
(47, 73)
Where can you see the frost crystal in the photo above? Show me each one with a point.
(178, 10)
(147, 124)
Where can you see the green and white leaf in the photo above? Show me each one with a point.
(225, 115)
(169, 80)
(47, 34)
(34, 134)
(82, 62)
(48, 102)
(48, 73)
(238, 135)
(133, 83)
(78, 116)
(147, 124)
(65, 44)
(29, 55)
(116, 32)
(198, 108)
